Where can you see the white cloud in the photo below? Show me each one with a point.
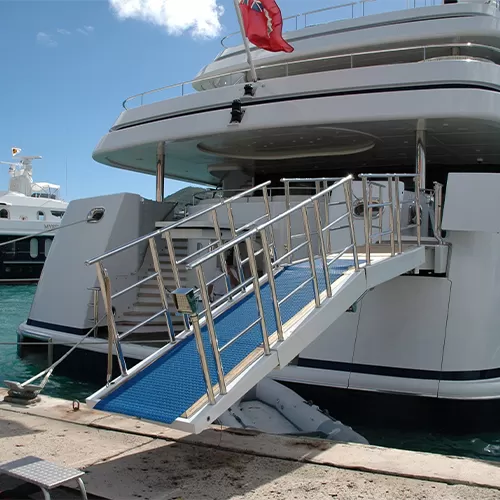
(200, 17)
(86, 30)
(62, 31)
(45, 39)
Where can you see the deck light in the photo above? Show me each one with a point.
(185, 301)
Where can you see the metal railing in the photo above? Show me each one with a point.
(105, 288)
(351, 60)
(249, 276)
(320, 184)
(409, 4)
(393, 205)
(272, 264)
(304, 17)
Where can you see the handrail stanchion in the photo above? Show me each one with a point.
(222, 256)
(269, 217)
(322, 248)
(348, 199)
(161, 288)
(203, 358)
(258, 296)
(326, 199)
(380, 218)
(366, 220)
(288, 221)
(175, 270)
(417, 208)
(272, 284)
(312, 262)
(237, 254)
(370, 213)
(391, 214)
(105, 283)
(398, 216)
(211, 329)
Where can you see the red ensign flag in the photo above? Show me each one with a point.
(263, 25)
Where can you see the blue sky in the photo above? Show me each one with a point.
(69, 64)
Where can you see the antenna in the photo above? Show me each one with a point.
(67, 197)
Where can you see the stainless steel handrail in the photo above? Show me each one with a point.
(305, 14)
(269, 274)
(394, 205)
(285, 65)
(239, 239)
(272, 266)
(177, 224)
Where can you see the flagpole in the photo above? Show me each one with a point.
(245, 40)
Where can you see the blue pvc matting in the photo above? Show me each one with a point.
(169, 386)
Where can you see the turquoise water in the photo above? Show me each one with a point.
(423, 435)
(15, 303)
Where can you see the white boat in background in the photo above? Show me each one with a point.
(27, 208)
(405, 108)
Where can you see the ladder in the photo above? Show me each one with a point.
(265, 321)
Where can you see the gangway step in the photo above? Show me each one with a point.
(169, 387)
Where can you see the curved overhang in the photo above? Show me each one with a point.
(450, 97)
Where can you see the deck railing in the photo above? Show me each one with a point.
(321, 232)
(350, 60)
(302, 20)
(105, 285)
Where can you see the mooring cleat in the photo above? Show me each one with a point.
(22, 394)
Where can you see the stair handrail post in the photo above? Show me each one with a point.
(222, 255)
(417, 208)
(312, 261)
(364, 182)
(272, 284)
(211, 329)
(288, 221)
(348, 193)
(258, 296)
(236, 250)
(269, 217)
(175, 269)
(326, 200)
(161, 287)
(324, 259)
(398, 215)
(203, 357)
(370, 214)
(380, 218)
(391, 214)
(105, 284)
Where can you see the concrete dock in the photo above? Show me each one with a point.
(129, 459)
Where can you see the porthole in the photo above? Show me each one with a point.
(4, 213)
(359, 210)
(40, 215)
(95, 215)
